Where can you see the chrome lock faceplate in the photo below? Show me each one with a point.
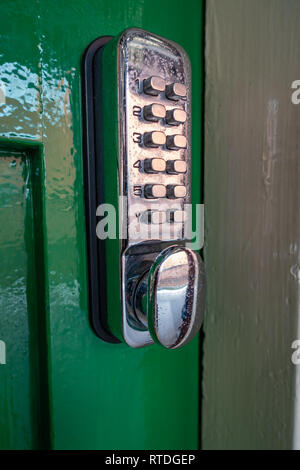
(154, 97)
(140, 94)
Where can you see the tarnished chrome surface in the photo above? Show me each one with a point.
(154, 99)
(143, 55)
(176, 296)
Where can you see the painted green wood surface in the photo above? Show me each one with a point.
(101, 396)
(17, 428)
(24, 398)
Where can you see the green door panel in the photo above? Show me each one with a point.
(92, 395)
(23, 378)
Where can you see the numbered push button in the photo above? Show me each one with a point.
(176, 216)
(154, 112)
(175, 91)
(153, 217)
(176, 142)
(154, 139)
(175, 191)
(176, 166)
(154, 165)
(153, 191)
(176, 116)
(154, 85)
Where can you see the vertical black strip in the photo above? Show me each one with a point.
(93, 186)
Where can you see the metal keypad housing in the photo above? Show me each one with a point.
(156, 147)
(154, 101)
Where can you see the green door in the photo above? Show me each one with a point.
(60, 386)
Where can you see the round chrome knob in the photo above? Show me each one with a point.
(170, 298)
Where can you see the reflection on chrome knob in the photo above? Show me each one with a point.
(170, 298)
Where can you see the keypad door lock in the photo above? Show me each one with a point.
(137, 104)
